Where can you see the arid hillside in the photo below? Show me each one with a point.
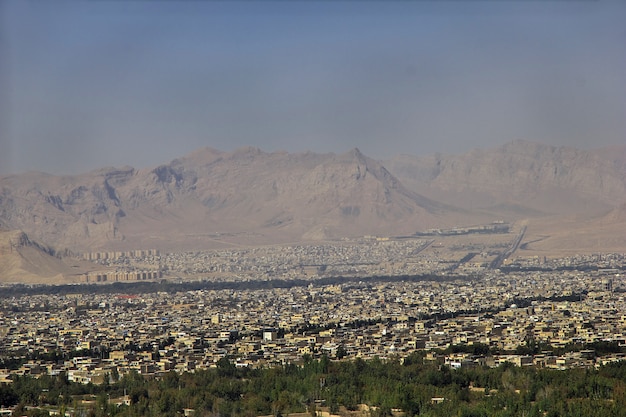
(520, 179)
(25, 261)
(211, 197)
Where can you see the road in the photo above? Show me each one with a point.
(496, 263)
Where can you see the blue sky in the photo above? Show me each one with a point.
(110, 83)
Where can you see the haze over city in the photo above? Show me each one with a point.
(92, 84)
(312, 208)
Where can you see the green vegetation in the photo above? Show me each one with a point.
(410, 385)
(144, 287)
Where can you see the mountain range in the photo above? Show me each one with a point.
(210, 198)
(529, 177)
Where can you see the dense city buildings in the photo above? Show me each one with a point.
(460, 301)
(539, 312)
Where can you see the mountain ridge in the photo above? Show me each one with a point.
(256, 197)
(294, 196)
(520, 173)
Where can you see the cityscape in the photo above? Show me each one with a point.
(312, 209)
(365, 299)
(389, 318)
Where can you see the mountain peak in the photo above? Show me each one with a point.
(356, 154)
(246, 151)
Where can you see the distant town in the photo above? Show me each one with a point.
(368, 256)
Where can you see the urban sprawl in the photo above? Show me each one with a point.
(365, 298)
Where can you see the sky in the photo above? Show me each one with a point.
(89, 84)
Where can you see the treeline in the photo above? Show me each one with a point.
(144, 287)
(418, 387)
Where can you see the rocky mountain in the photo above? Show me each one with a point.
(63, 212)
(211, 197)
(520, 179)
(25, 261)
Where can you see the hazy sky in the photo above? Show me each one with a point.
(86, 84)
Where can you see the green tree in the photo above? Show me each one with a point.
(341, 352)
(8, 397)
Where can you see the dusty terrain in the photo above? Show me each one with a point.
(24, 261)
